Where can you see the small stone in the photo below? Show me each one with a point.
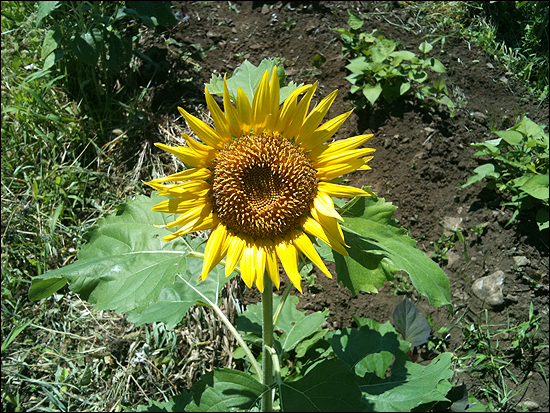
(529, 405)
(490, 65)
(503, 80)
(489, 288)
(213, 35)
(512, 298)
(452, 258)
(265, 9)
(480, 117)
(522, 261)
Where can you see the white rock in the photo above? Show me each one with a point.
(489, 288)
(522, 261)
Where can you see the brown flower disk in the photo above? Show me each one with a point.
(263, 185)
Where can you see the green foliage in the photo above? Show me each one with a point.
(92, 43)
(518, 166)
(515, 31)
(127, 267)
(379, 68)
(483, 355)
(379, 246)
(347, 370)
(410, 324)
(247, 77)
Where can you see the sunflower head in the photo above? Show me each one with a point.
(260, 180)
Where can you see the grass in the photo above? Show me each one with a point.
(60, 171)
(516, 33)
(491, 353)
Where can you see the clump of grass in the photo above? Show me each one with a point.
(515, 32)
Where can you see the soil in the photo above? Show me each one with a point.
(422, 153)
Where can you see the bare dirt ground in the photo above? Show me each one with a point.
(422, 154)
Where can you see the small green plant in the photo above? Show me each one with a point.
(479, 229)
(379, 68)
(288, 24)
(446, 242)
(518, 166)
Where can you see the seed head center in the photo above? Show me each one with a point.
(263, 185)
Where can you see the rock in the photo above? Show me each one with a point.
(489, 288)
(490, 65)
(451, 224)
(529, 405)
(480, 117)
(522, 261)
(265, 9)
(452, 258)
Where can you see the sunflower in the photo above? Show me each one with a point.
(261, 181)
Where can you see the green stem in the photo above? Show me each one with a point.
(281, 303)
(267, 362)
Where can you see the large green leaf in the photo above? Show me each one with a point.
(408, 386)
(225, 390)
(536, 186)
(378, 247)
(327, 387)
(365, 350)
(294, 324)
(175, 299)
(125, 265)
(411, 325)
(247, 77)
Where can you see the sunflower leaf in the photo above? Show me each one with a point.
(225, 390)
(125, 266)
(329, 386)
(379, 246)
(247, 77)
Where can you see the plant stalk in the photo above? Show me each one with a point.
(267, 362)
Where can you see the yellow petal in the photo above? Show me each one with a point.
(341, 190)
(314, 119)
(187, 175)
(203, 151)
(247, 265)
(230, 112)
(244, 111)
(187, 155)
(325, 131)
(214, 250)
(330, 172)
(234, 252)
(341, 157)
(289, 106)
(296, 121)
(324, 205)
(288, 254)
(312, 227)
(220, 121)
(203, 131)
(188, 189)
(275, 93)
(258, 257)
(273, 266)
(261, 104)
(304, 244)
(208, 222)
(325, 150)
(191, 215)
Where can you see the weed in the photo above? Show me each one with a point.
(518, 166)
(379, 68)
(288, 24)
